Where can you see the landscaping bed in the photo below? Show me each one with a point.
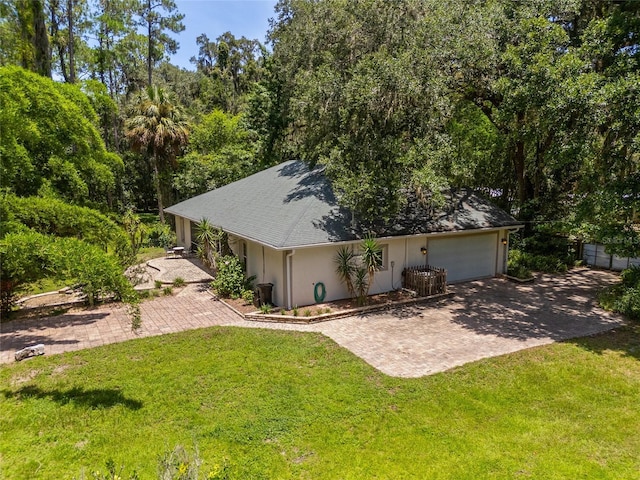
(327, 310)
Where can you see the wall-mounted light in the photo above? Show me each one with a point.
(423, 250)
(504, 241)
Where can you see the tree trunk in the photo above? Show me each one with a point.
(156, 179)
(72, 59)
(41, 41)
(150, 42)
(519, 162)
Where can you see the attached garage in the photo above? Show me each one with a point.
(466, 257)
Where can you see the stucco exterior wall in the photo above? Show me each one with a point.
(313, 265)
(267, 264)
(316, 264)
(310, 266)
(270, 270)
(183, 232)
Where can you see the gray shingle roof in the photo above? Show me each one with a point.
(290, 206)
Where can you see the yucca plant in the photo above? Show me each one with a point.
(207, 237)
(361, 284)
(371, 256)
(345, 267)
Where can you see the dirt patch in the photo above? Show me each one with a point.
(50, 299)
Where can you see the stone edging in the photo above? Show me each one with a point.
(261, 317)
(520, 280)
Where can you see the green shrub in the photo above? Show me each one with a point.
(295, 311)
(157, 283)
(29, 256)
(160, 235)
(265, 308)
(631, 277)
(283, 311)
(519, 271)
(520, 261)
(167, 291)
(179, 282)
(307, 312)
(625, 296)
(247, 296)
(230, 278)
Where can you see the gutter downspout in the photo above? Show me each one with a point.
(289, 283)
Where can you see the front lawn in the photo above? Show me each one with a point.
(292, 405)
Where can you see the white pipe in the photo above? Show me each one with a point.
(289, 283)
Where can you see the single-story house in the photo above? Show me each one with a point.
(285, 223)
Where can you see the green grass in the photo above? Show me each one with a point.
(43, 286)
(149, 253)
(290, 405)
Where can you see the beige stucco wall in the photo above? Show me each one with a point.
(183, 232)
(312, 265)
(265, 263)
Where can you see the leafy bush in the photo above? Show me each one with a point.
(520, 262)
(179, 282)
(625, 296)
(29, 256)
(247, 296)
(631, 277)
(160, 235)
(520, 271)
(50, 216)
(230, 278)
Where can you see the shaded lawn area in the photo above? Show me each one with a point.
(295, 405)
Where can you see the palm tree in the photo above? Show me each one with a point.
(157, 130)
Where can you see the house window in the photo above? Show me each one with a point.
(243, 256)
(385, 256)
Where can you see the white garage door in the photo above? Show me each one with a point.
(465, 258)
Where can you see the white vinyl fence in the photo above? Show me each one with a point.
(594, 255)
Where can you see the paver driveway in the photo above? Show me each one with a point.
(483, 319)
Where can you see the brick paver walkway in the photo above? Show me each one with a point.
(484, 319)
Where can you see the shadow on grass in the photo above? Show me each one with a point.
(625, 340)
(91, 398)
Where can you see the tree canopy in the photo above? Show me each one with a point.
(50, 143)
(534, 103)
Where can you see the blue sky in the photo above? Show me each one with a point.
(249, 18)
